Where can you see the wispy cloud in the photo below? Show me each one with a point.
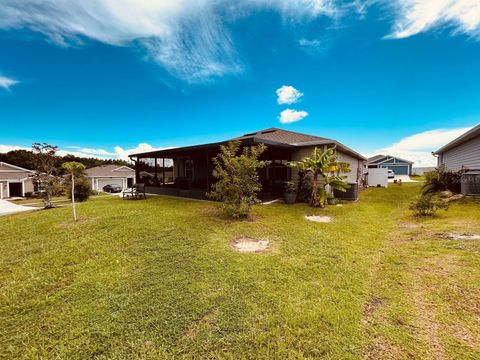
(419, 147)
(6, 82)
(288, 95)
(416, 16)
(189, 38)
(289, 116)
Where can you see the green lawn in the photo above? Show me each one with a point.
(158, 279)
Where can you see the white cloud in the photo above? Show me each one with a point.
(289, 116)
(6, 82)
(418, 147)
(189, 38)
(416, 16)
(7, 148)
(118, 153)
(288, 95)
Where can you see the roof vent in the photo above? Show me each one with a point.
(268, 131)
(250, 134)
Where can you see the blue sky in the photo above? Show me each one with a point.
(107, 78)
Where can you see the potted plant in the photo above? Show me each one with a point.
(290, 194)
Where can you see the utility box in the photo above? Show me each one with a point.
(377, 177)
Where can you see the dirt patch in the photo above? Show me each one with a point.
(409, 226)
(459, 236)
(370, 308)
(320, 219)
(249, 245)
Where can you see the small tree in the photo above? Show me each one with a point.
(46, 172)
(237, 177)
(73, 168)
(325, 171)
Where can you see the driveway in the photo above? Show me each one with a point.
(6, 207)
(404, 178)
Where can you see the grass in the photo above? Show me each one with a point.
(158, 279)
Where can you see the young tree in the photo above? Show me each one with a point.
(73, 168)
(46, 172)
(237, 183)
(325, 171)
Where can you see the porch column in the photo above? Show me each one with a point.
(208, 171)
(156, 172)
(163, 171)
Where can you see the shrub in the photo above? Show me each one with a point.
(82, 189)
(436, 181)
(290, 187)
(237, 183)
(304, 190)
(427, 205)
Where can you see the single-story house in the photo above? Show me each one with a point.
(110, 174)
(15, 180)
(187, 171)
(463, 153)
(397, 165)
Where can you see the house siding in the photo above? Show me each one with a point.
(356, 165)
(463, 156)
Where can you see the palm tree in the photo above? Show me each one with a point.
(325, 170)
(73, 167)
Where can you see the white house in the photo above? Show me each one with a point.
(110, 174)
(14, 180)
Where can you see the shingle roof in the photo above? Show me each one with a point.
(282, 136)
(110, 171)
(475, 131)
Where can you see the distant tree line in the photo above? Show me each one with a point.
(27, 159)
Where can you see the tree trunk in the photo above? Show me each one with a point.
(314, 199)
(73, 198)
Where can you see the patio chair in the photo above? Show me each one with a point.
(136, 192)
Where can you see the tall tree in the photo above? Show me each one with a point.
(73, 168)
(46, 171)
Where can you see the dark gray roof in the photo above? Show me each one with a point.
(271, 136)
(110, 171)
(470, 134)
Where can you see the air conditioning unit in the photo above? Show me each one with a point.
(471, 183)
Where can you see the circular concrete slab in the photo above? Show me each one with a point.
(249, 245)
(320, 219)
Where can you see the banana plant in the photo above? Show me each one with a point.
(325, 171)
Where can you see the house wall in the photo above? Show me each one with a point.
(356, 165)
(28, 186)
(3, 189)
(466, 155)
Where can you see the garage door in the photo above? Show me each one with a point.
(399, 170)
(106, 181)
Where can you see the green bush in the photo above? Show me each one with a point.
(82, 189)
(290, 187)
(304, 190)
(427, 205)
(236, 172)
(436, 181)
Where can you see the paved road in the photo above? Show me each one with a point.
(6, 207)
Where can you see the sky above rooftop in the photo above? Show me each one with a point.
(106, 78)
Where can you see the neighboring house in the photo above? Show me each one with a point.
(110, 174)
(397, 165)
(461, 153)
(187, 171)
(15, 181)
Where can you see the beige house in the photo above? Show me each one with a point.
(14, 181)
(110, 175)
